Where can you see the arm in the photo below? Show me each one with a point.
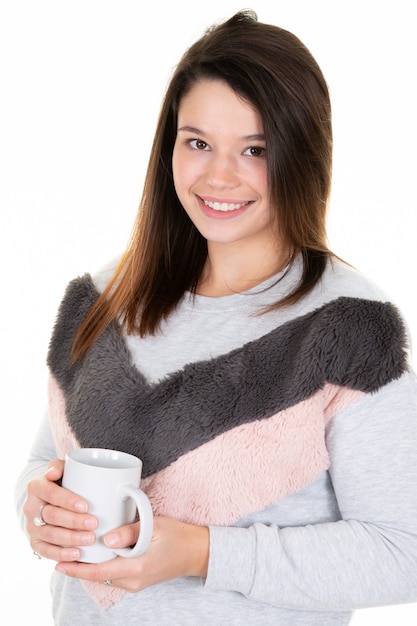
(369, 558)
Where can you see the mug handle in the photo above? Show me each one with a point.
(146, 521)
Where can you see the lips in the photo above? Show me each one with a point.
(224, 206)
(222, 210)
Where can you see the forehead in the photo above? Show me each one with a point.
(214, 101)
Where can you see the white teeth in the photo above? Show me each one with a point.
(223, 206)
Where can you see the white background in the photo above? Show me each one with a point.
(80, 89)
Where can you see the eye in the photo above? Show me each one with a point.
(255, 151)
(199, 144)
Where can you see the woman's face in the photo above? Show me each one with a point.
(219, 166)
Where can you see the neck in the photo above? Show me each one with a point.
(230, 270)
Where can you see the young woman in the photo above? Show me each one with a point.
(264, 383)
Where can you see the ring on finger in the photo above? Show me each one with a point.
(38, 520)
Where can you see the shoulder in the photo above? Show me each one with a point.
(340, 279)
(80, 295)
(102, 276)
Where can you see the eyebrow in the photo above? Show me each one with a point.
(197, 131)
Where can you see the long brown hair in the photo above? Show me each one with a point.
(276, 73)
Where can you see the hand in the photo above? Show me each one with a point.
(65, 515)
(177, 549)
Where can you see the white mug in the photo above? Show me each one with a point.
(109, 481)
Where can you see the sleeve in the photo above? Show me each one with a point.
(42, 451)
(368, 557)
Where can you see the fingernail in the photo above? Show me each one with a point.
(111, 540)
(87, 539)
(91, 523)
(60, 568)
(81, 507)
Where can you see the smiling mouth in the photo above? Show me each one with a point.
(224, 206)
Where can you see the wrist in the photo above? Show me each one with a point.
(198, 548)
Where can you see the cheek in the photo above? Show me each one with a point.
(268, 218)
(260, 178)
(254, 174)
(179, 169)
(185, 173)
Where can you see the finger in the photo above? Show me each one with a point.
(63, 533)
(63, 498)
(55, 470)
(57, 516)
(55, 553)
(122, 537)
(45, 490)
(115, 571)
(60, 544)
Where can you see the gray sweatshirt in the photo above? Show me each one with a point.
(296, 444)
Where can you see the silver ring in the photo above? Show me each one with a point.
(38, 520)
(108, 582)
(37, 554)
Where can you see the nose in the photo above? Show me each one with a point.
(222, 172)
